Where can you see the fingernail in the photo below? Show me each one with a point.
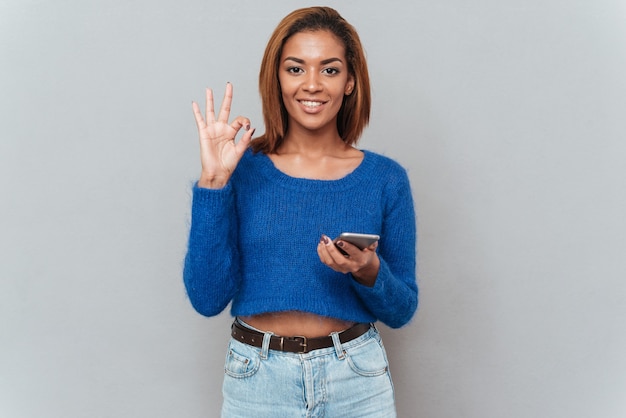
(247, 127)
(340, 243)
(325, 239)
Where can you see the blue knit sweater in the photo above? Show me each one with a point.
(254, 242)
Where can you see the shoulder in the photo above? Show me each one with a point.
(385, 166)
(249, 156)
(392, 178)
(250, 162)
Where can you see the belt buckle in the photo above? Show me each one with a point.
(301, 340)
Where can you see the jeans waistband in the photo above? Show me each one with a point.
(296, 344)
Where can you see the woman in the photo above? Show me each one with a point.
(263, 215)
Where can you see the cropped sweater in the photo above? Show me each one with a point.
(253, 242)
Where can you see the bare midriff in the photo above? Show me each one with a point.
(296, 323)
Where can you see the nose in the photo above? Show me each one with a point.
(313, 82)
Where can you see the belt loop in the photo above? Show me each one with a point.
(266, 345)
(337, 345)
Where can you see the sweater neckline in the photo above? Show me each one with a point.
(271, 173)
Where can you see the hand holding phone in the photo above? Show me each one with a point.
(363, 264)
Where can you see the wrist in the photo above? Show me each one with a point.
(368, 274)
(212, 182)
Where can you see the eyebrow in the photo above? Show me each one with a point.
(323, 62)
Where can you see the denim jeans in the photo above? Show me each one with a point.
(349, 380)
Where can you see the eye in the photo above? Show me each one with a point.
(295, 70)
(330, 71)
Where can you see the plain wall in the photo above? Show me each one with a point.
(509, 116)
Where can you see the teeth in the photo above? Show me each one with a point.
(311, 104)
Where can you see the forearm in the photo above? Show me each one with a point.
(393, 298)
(211, 273)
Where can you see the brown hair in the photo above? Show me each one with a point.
(354, 114)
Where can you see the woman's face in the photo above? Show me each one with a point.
(313, 76)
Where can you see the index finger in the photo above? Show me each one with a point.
(225, 107)
(336, 253)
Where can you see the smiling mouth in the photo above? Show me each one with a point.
(310, 103)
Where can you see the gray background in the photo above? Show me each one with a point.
(509, 116)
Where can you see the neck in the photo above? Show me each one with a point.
(312, 142)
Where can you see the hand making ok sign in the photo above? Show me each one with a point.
(219, 153)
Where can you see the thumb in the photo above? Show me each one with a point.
(245, 140)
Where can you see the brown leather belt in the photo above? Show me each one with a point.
(295, 344)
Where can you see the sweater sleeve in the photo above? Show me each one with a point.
(211, 270)
(393, 298)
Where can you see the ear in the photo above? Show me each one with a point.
(349, 86)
